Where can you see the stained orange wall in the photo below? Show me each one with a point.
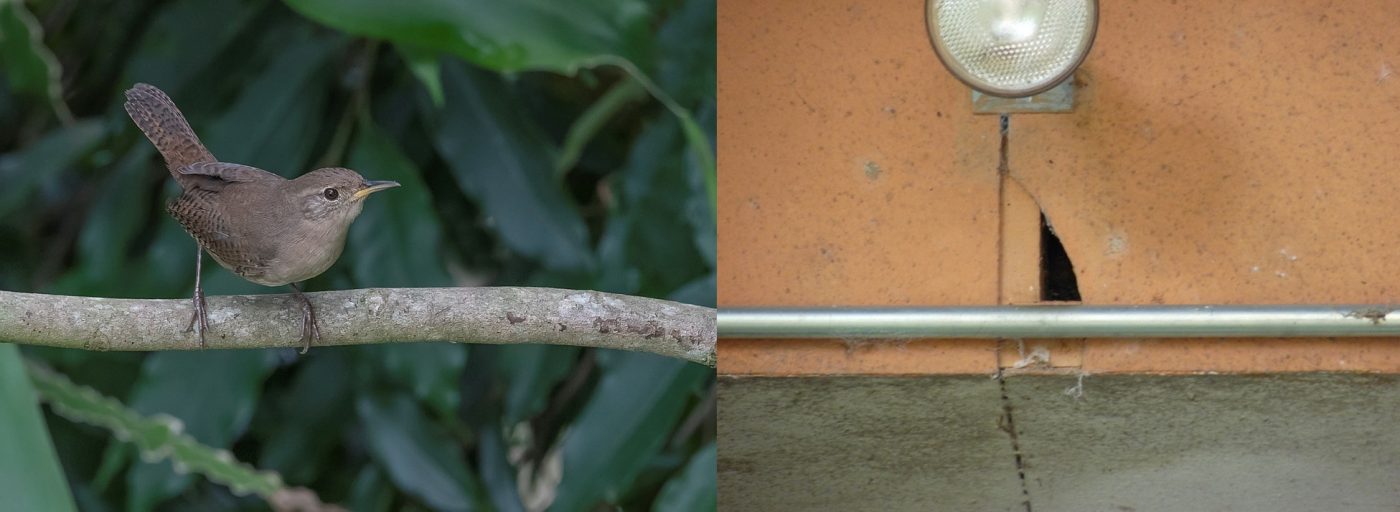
(1220, 152)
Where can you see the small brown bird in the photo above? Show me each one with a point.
(265, 228)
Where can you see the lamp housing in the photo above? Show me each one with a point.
(1012, 48)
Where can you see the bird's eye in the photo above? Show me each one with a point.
(331, 194)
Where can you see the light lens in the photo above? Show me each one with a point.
(1012, 48)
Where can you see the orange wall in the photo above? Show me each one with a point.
(1220, 152)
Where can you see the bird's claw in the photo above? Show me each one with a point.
(199, 320)
(309, 331)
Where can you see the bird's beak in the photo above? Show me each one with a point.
(374, 186)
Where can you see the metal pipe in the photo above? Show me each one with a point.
(1050, 321)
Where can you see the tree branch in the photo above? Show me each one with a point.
(373, 315)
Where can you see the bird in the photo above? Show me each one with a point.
(262, 227)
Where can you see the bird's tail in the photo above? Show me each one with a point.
(162, 122)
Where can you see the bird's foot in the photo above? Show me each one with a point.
(199, 321)
(309, 331)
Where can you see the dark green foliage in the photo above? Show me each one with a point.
(468, 104)
(29, 475)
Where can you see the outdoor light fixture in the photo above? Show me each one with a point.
(1012, 48)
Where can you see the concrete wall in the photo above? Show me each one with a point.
(1117, 443)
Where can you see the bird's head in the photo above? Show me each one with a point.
(335, 192)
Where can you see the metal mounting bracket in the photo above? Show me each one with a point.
(1056, 100)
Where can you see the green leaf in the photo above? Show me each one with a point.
(506, 36)
(694, 487)
(370, 492)
(700, 204)
(420, 457)
(685, 66)
(538, 35)
(593, 119)
(308, 417)
(167, 267)
(397, 240)
(648, 246)
(637, 402)
(115, 220)
(184, 39)
(158, 437)
(700, 144)
(29, 65)
(700, 292)
(56, 153)
(30, 475)
(274, 123)
(430, 370)
(424, 66)
(502, 161)
(213, 393)
(492, 459)
(89, 499)
(114, 459)
(531, 372)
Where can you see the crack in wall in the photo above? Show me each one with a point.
(1059, 281)
(1007, 423)
(1007, 420)
(1003, 170)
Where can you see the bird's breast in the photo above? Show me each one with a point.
(303, 252)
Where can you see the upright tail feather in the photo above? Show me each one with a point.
(165, 126)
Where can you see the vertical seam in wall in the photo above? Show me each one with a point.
(1008, 425)
(1008, 422)
(1003, 171)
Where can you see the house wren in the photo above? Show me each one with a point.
(265, 228)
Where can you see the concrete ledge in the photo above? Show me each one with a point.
(1309, 441)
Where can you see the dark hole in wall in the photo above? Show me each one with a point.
(1057, 281)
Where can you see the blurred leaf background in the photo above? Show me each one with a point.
(539, 142)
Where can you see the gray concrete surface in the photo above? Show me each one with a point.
(842, 443)
(1297, 442)
(1128, 443)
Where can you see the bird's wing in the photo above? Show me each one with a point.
(162, 122)
(213, 176)
(229, 172)
(202, 215)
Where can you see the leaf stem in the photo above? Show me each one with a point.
(359, 99)
(158, 437)
(694, 136)
(587, 125)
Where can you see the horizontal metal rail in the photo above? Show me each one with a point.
(1051, 321)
